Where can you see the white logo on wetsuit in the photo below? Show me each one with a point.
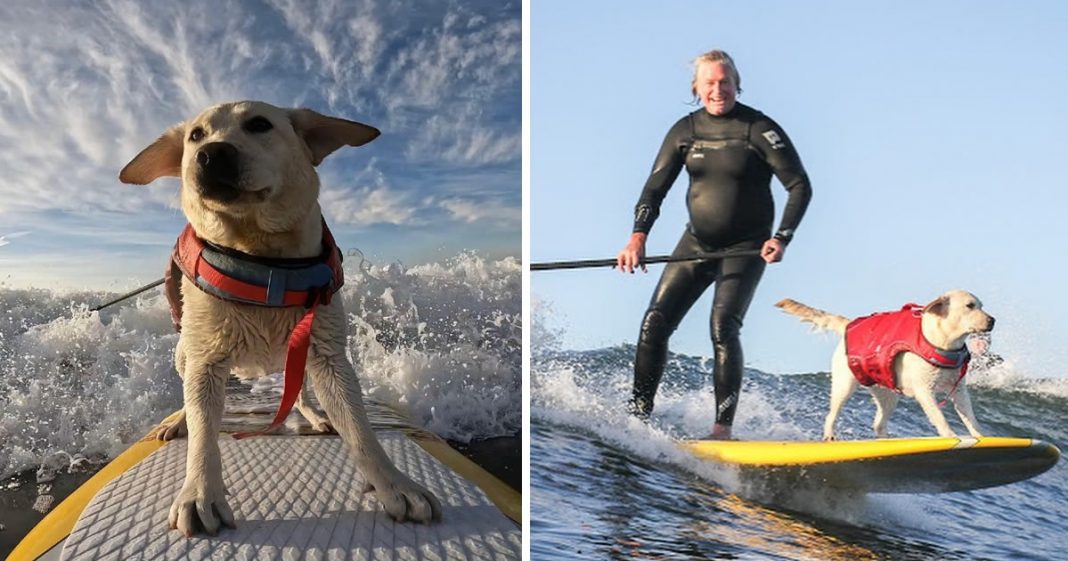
(726, 403)
(774, 140)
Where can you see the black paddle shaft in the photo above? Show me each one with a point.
(590, 263)
(153, 284)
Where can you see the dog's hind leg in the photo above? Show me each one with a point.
(176, 428)
(843, 384)
(841, 388)
(885, 403)
(318, 422)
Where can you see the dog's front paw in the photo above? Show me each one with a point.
(405, 499)
(201, 507)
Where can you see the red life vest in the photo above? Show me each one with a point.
(239, 277)
(248, 279)
(873, 341)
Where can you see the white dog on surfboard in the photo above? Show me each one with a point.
(925, 353)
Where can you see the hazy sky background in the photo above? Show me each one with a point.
(84, 86)
(934, 134)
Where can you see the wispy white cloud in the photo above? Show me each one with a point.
(87, 86)
(367, 206)
(455, 139)
(434, 83)
(463, 58)
(493, 211)
(84, 86)
(460, 66)
(342, 44)
(6, 238)
(365, 198)
(76, 105)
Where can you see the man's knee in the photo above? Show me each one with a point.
(725, 328)
(655, 326)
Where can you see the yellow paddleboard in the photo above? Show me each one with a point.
(300, 493)
(892, 465)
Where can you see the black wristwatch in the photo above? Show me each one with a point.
(784, 236)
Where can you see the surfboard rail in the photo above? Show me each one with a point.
(799, 452)
(892, 465)
(57, 524)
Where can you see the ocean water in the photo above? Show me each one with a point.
(442, 342)
(607, 486)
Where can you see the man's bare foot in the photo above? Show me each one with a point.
(720, 432)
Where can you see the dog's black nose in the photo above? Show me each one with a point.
(217, 170)
(218, 158)
(990, 325)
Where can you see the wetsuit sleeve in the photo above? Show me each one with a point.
(773, 144)
(666, 168)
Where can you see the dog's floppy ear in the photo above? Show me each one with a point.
(162, 158)
(324, 134)
(939, 307)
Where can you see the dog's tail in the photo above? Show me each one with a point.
(819, 318)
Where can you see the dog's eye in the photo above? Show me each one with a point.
(258, 124)
(971, 305)
(196, 134)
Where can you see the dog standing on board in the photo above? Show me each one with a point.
(250, 192)
(944, 325)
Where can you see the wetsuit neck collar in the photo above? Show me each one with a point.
(733, 112)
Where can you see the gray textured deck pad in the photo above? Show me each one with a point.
(293, 498)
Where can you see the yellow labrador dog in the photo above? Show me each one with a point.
(249, 188)
(914, 352)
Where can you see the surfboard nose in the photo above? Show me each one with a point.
(1045, 454)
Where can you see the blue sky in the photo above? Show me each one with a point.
(84, 86)
(934, 134)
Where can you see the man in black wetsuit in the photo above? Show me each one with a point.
(730, 152)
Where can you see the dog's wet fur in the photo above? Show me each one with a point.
(249, 183)
(946, 323)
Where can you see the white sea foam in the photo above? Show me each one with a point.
(78, 385)
(568, 395)
(561, 395)
(441, 341)
(444, 341)
(1008, 376)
